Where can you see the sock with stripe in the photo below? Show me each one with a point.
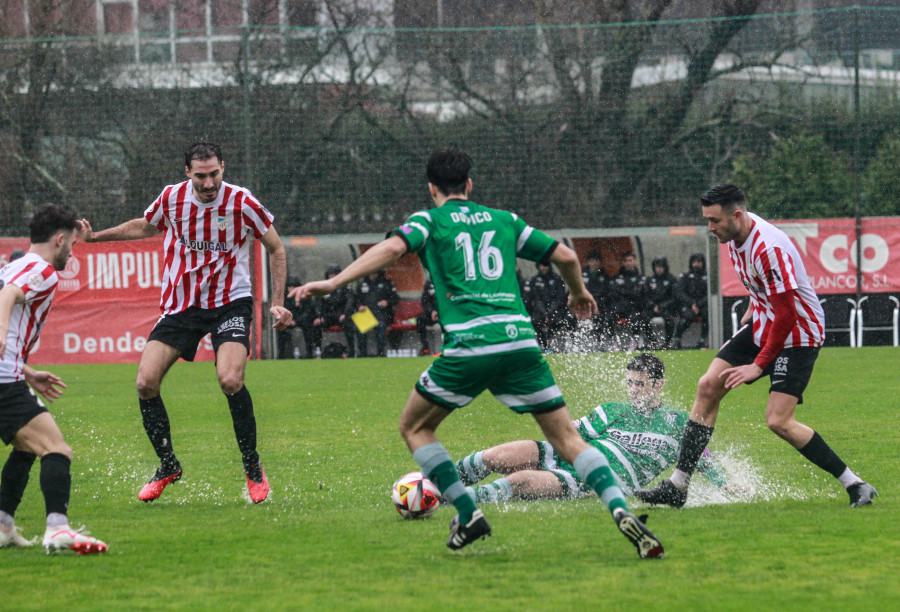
(498, 491)
(438, 467)
(594, 470)
(472, 469)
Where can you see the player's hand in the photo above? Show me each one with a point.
(741, 374)
(84, 232)
(582, 305)
(283, 317)
(315, 288)
(47, 384)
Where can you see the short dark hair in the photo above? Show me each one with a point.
(725, 195)
(202, 151)
(629, 254)
(651, 364)
(448, 170)
(50, 219)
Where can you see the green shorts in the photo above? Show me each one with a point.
(521, 380)
(550, 461)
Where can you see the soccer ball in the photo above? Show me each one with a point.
(415, 496)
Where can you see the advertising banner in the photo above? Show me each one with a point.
(107, 302)
(829, 251)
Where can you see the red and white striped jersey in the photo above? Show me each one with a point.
(769, 263)
(38, 279)
(206, 246)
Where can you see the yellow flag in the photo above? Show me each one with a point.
(364, 320)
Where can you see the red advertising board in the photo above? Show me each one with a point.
(829, 251)
(107, 302)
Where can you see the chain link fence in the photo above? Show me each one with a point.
(589, 126)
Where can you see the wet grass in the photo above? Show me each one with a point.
(329, 539)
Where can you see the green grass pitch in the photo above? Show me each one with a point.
(328, 538)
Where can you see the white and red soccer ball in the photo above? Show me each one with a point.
(415, 496)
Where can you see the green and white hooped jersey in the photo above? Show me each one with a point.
(641, 446)
(470, 252)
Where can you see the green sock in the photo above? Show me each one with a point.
(498, 491)
(604, 483)
(594, 470)
(437, 465)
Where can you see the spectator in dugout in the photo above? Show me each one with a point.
(377, 293)
(663, 300)
(550, 302)
(630, 303)
(334, 309)
(691, 290)
(598, 285)
(284, 338)
(427, 317)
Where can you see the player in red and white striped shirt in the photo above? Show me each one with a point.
(208, 224)
(27, 287)
(788, 327)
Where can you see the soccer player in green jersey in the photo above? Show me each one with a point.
(639, 439)
(489, 343)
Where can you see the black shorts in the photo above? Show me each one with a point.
(789, 372)
(184, 330)
(18, 405)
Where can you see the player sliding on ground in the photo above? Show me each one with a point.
(638, 438)
(788, 327)
(28, 286)
(489, 343)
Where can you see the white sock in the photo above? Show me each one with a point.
(848, 478)
(680, 479)
(56, 519)
(6, 521)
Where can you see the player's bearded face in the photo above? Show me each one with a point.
(722, 225)
(206, 178)
(65, 250)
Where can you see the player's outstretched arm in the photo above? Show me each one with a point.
(130, 230)
(581, 303)
(379, 256)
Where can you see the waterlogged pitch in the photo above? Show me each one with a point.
(328, 538)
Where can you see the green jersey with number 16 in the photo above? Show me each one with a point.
(470, 252)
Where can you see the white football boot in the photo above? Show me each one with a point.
(66, 538)
(13, 538)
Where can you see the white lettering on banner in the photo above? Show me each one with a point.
(799, 232)
(73, 343)
(875, 253)
(848, 282)
(106, 271)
